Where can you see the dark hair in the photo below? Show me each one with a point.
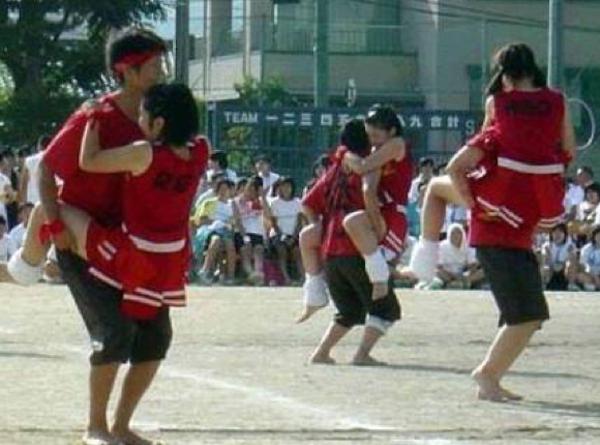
(563, 228)
(177, 106)
(322, 161)
(228, 182)
(131, 41)
(587, 170)
(43, 141)
(241, 184)
(220, 157)
(516, 61)
(384, 118)
(593, 187)
(262, 158)
(354, 137)
(2, 220)
(287, 180)
(256, 181)
(426, 161)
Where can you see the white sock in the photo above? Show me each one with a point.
(424, 259)
(377, 268)
(315, 290)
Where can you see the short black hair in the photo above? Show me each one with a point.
(2, 220)
(287, 180)
(263, 158)
(587, 170)
(256, 181)
(26, 205)
(220, 157)
(175, 103)
(354, 136)
(221, 182)
(563, 228)
(426, 161)
(131, 41)
(384, 118)
(593, 187)
(217, 177)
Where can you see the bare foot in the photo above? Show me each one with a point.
(489, 388)
(509, 395)
(128, 437)
(380, 290)
(320, 358)
(97, 438)
(367, 361)
(308, 312)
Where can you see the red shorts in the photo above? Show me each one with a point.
(397, 226)
(148, 280)
(518, 199)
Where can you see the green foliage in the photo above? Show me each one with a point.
(52, 56)
(269, 93)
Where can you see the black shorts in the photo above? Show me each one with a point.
(255, 240)
(114, 337)
(351, 292)
(516, 282)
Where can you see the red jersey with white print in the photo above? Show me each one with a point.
(395, 182)
(157, 203)
(95, 193)
(333, 197)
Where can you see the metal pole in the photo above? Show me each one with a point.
(555, 43)
(484, 57)
(321, 74)
(182, 40)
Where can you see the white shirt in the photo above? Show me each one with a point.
(269, 180)
(454, 214)
(586, 211)
(252, 217)
(453, 259)
(32, 163)
(7, 248)
(286, 213)
(557, 255)
(17, 235)
(5, 184)
(590, 258)
(413, 193)
(223, 212)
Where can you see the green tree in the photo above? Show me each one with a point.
(270, 92)
(52, 51)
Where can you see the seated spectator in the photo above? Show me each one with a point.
(586, 213)
(559, 260)
(319, 168)
(590, 262)
(17, 234)
(7, 192)
(251, 236)
(455, 214)
(263, 169)
(210, 191)
(576, 190)
(218, 164)
(7, 246)
(426, 172)
(286, 218)
(215, 222)
(457, 266)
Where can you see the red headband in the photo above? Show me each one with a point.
(134, 59)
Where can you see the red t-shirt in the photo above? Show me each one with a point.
(496, 233)
(334, 196)
(95, 193)
(157, 203)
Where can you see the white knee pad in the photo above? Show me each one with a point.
(379, 323)
(424, 259)
(377, 268)
(315, 291)
(22, 272)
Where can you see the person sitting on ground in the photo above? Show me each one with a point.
(285, 224)
(215, 222)
(590, 262)
(559, 259)
(17, 233)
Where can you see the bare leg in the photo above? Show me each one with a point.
(506, 348)
(246, 256)
(360, 230)
(101, 382)
(298, 260)
(363, 356)
(138, 380)
(259, 254)
(282, 259)
(334, 333)
(231, 256)
(212, 253)
(310, 245)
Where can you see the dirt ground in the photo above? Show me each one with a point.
(237, 374)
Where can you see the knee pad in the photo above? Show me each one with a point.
(22, 272)
(377, 268)
(379, 323)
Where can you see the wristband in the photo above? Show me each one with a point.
(50, 229)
